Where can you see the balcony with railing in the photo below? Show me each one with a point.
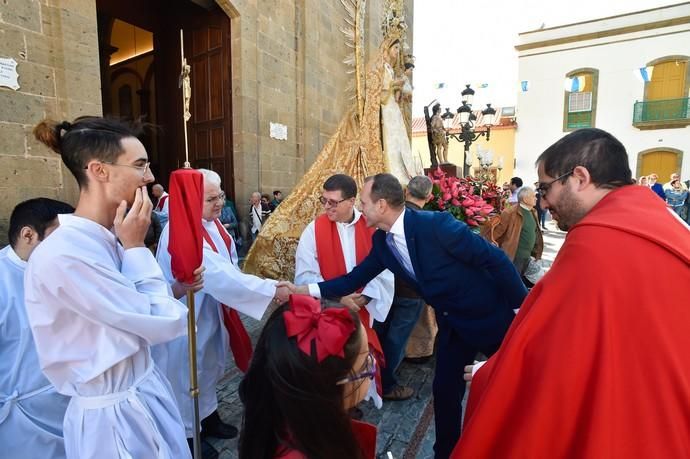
(577, 120)
(662, 114)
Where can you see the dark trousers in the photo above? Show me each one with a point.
(542, 217)
(394, 333)
(521, 264)
(452, 354)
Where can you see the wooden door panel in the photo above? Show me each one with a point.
(662, 163)
(200, 92)
(201, 147)
(217, 143)
(215, 38)
(211, 123)
(216, 100)
(668, 81)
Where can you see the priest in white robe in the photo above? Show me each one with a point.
(97, 301)
(223, 284)
(341, 217)
(31, 411)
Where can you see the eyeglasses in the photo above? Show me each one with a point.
(143, 169)
(543, 188)
(330, 202)
(368, 371)
(212, 199)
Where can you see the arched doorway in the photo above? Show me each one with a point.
(660, 161)
(139, 41)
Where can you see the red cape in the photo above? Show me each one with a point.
(597, 362)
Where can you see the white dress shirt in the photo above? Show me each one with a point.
(256, 218)
(398, 230)
(307, 270)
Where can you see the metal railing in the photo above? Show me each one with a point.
(661, 110)
(577, 120)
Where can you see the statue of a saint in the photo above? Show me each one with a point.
(438, 135)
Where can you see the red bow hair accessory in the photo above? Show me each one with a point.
(331, 328)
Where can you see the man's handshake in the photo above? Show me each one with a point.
(285, 288)
(293, 289)
(354, 301)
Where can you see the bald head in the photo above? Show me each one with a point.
(157, 190)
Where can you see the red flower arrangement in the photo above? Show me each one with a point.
(467, 199)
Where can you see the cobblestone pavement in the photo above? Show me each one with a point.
(406, 428)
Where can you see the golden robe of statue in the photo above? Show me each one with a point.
(355, 149)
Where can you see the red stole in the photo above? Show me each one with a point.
(161, 202)
(240, 343)
(329, 252)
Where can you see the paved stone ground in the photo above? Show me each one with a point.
(406, 429)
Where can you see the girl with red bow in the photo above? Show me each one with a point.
(309, 367)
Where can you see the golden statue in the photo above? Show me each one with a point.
(355, 149)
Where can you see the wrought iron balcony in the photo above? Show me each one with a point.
(577, 120)
(662, 113)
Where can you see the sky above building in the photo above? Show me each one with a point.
(458, 42)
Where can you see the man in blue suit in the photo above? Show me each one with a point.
(471, 284)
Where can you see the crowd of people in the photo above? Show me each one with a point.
(94, 325)
(674, 193)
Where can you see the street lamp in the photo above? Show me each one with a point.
(467, 134)
(447, 119)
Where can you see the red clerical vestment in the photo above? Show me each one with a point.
(329, 251)
(597, 362)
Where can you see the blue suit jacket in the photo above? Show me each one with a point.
(471, 284)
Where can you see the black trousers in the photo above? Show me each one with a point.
(453, 353)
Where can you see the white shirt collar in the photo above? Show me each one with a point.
(358, 214)
(89, 226)
(524, 206)
(399, 225)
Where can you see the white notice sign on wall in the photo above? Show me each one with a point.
(278, 131)
(8, 73)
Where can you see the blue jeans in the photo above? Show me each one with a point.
(394, 333)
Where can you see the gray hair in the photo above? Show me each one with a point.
(419, 187)
(524, 192)
(210, 177)
(158, 186)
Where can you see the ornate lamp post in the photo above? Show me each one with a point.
(467, 134)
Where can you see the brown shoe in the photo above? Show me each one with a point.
(399, 393)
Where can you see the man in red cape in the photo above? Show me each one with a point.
(331, 246)
(597, 362)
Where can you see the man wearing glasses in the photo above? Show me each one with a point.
(221, 285)
(596, 363)
(336, 242)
